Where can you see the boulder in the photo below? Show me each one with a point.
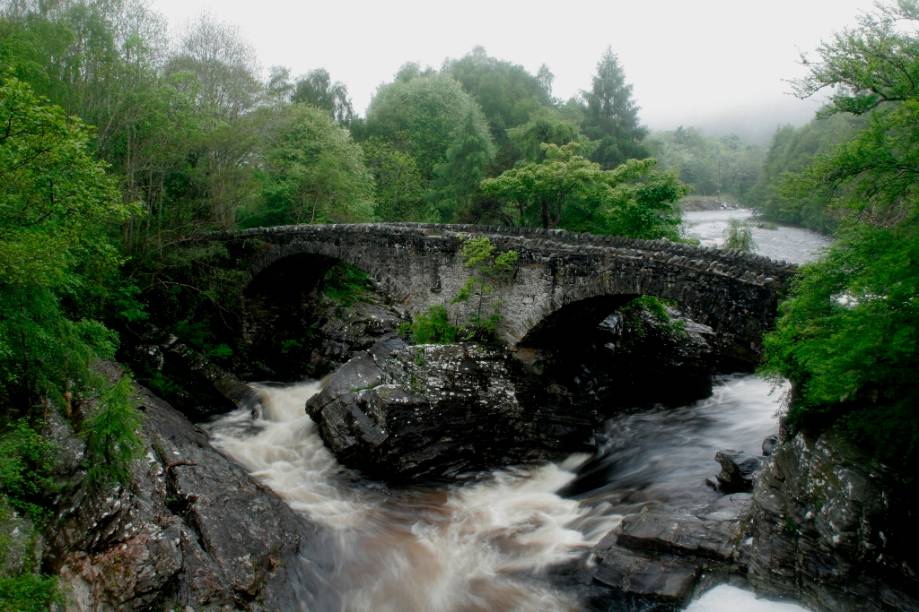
(769, 444)
(437, 412)
(655, 559)
(737, 470)
(620, 363)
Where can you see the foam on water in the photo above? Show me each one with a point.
(725, 598)
(465, 548)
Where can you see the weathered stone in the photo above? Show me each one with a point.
(196, 385)
(192, 529)
(646, 582)
(769, 444)
(737, 470)
(22, 545)
(833, 529)
(681, 535)
(402, 412)
(417, 265)
(621, 363)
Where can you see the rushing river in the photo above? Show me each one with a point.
(485, 545)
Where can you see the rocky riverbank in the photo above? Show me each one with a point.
(191, 530)
(832, 528)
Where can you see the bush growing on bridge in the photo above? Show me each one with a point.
(739, 236)
(487, 268)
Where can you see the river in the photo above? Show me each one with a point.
(484, 545)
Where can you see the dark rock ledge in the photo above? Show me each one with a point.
(192, 529)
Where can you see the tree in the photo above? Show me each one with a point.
(317, 88)
(398, 193)
(216, 69)
(427, 117)
(57, 209)
(506, 93)
(709, 166)
(545, 126)
(568, 191)
(739, 236)
(312, 172)
(611, 116)
(848, 337)
(791, 151)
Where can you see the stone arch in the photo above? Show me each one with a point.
(290, 326)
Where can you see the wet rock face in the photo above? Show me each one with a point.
(834, 530)
(192, 529)
(435, 412)
(737, 470)
(655, 560)
(621, 362)
(325, 335)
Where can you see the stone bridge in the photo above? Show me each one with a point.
(564, 284)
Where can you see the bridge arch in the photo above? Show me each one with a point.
(418, 265)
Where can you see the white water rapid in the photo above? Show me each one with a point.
(483, 545)
(473, 547)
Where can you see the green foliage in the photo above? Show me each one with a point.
(569, 191)
(313, 173)
(28, 593)
(431, 119)
(610, 115)
(487, 268)
(56, 209)
(709, 166)
(848, 336)
(317, 89)
(399, 192)
(346, 284)
(20, 587)
(544, 126)
(27, 470)
(507, 94)
(647, 306)
(739, 236)
(870, 65)
(112, 440)
(793, 150)
(432, 327)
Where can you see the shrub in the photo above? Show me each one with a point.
(26, 466)
(28, 593)
(433, 327)
(112, 441)
(739, 236)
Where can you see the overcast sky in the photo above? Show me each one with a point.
(690, 61)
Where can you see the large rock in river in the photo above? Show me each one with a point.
(432, 412)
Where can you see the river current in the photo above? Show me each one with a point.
(485, 545)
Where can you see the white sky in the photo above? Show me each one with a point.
(690, 61)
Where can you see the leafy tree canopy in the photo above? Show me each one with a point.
(441, 127)
(312, 173)
(848, 337)
(317, 88)
(568, 191)
(610, 115)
